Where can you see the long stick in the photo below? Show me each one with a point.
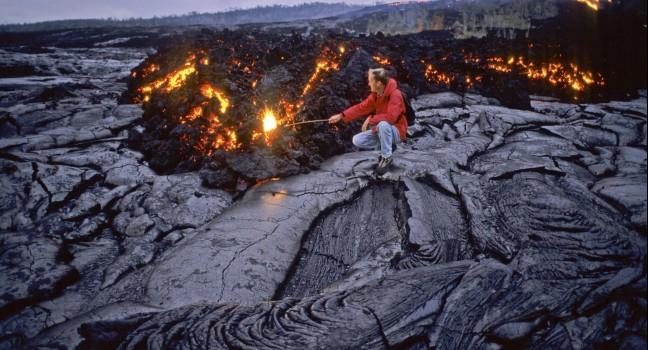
(308, 122)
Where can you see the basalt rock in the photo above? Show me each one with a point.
(494, 227)
(520, 207)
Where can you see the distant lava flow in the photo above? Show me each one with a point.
(564, 76)
(595, 4)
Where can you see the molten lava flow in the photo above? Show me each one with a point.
(209, 91)
(381, 60)
(593, 4)
(269, 120)
(148, 70)
(498, 64)
(328, 61)
(470, 81)
(194, 114)
(555, 73)
(435, 76)
(171, 81)
(470, 58)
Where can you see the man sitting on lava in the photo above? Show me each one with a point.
(386, 120)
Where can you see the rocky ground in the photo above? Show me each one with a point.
(496, 228)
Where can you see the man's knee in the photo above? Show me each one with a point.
(356, 140)
(383, 125)
(360, 140)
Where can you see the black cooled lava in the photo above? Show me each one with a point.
(206, 94)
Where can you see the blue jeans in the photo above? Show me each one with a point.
(386, 136)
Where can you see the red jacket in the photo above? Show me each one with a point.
(389, 107)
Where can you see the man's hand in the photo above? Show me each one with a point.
(365, 125)
(334, 119)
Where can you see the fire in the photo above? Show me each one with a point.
(328, 61)
(269, 120)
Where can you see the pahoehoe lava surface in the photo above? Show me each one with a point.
(495, 237)
(339, 239)
(496, 228)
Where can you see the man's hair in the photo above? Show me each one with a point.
(380, 74)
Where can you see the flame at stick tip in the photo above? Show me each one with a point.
(269, 120)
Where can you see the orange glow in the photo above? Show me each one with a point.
(497, 64)
(172, 80)
(226, 141)
(151, 69)
(194, 114)
(435, 76)
(269, 120)
(565, 75)
(554, 73)
(381, 60)
(210, 92)
(327, 61)
(576, 85)
(290, 110)
(593, 4)
(256, 135)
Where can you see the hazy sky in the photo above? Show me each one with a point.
(18, 11)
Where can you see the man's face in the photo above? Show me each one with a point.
(374, 84)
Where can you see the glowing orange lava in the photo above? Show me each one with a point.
(269, 120)
(593, 4)
(381, 60)
(328, 61)
(209, 91)
(434, 75)
(171, 81)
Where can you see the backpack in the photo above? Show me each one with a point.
(409, 111)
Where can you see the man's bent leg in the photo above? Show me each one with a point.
(365, 140)
(388, 135)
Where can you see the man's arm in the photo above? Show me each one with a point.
(363, 108)
(395, 108)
